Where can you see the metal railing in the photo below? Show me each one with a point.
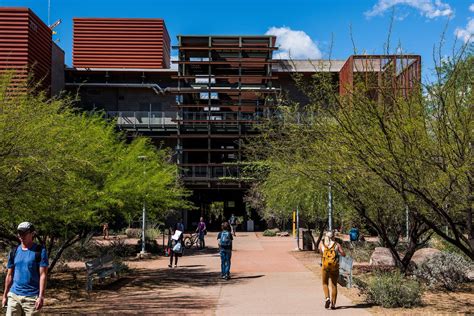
(221, 116)
(144, 119)
(209, 172)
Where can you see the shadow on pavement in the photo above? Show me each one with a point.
(170, 291)
(360, 305)
(247, 277)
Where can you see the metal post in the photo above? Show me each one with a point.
(144, 206)
(330, 207)
(143, 227)
(298, 227)
(408, 225)
(49, 11)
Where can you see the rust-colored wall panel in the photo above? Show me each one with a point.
(25, 44)
(120, 43)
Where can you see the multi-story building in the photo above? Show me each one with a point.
(204, 108)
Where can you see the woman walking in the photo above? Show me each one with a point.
(175, 245)
(201, 230)
(330, 251)
(225, 246)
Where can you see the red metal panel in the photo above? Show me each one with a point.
(25, 45)
(120, 43)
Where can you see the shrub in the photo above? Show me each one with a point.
(269, 233)
(444, 270)
(392, 290)
(133, 232)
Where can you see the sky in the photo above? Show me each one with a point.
(304, 28)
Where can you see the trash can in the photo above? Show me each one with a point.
(307, 240)
(250, 227)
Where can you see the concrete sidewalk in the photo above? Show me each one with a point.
(276, 283)
(266, 279)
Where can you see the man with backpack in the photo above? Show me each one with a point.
(225, 246)
(25, 282)
(330, 250)
(233, 223)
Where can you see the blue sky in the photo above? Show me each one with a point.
(305, 27)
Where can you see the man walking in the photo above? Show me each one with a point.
(225, 246)
(25, 282)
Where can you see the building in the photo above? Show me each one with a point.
(26, 48)
(206, 107)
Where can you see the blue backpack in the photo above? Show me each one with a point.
(225, 238)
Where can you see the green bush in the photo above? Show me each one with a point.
(392, 290)
(445, 270)
(269, 233)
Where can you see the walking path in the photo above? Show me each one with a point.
(266, 279)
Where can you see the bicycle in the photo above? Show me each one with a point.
(191, 240)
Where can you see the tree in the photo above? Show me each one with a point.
(67, 172)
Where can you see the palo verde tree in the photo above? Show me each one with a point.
(67, 172)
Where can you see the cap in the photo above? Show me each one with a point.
(25, 226)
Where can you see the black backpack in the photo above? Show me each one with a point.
(38, 250)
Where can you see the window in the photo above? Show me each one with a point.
(205, 95)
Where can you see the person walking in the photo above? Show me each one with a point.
(202, 231)
(175, 244)
(105, 230)
(27, 268)
(331, 250)
(233, 223)
(225, 247)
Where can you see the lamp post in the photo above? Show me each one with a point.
(143, 252)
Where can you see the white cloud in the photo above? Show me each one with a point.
(429, 8)
(294, 44)
(466, 34)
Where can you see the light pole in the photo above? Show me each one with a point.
(143, 158)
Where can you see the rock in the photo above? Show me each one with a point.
(470, 275)
(382, 257)
(423, 254)
(283, 234)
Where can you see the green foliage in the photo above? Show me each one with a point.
(216, 210)
(391, 290)
(445, 270)
(68, 172)
(269, 233)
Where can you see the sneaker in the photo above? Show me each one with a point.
(333, 307)
(227, 277)
(223, 276)
(175, 265)
(328, 302)
(169, 266)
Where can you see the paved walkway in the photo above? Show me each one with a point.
(266, 279)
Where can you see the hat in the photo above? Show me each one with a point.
(25, 227)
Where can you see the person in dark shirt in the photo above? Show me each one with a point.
(201, 230)
(225, 239)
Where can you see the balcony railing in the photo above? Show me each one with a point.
(200, 172)
(144, 119)
(221, 116)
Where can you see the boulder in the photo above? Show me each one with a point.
(470, 275)
(382, 257)
(421, 255)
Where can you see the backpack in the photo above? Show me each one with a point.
(225, 238)
(38, 250)
(330, 258)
